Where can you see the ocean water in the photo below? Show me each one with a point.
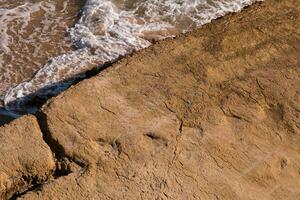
(44, 45)
(32, 32)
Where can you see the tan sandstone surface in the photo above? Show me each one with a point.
(214, 114)
(26, 160)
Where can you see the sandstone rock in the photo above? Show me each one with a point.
(214, 114)
(25, 159)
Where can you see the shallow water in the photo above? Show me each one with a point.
(31, 32)
(36, 54)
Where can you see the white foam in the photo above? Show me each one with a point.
(51, 78)
(25, 28)
(111, 28)
(17, 16)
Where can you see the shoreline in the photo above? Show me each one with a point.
(7, 116)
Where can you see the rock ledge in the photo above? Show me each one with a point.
(214, 114)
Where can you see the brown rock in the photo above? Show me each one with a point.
(211, 115)
(25, 159)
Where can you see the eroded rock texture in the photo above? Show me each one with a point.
(25, 159)
(211, 115)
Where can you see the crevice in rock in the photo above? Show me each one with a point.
(229, 113)
(152, 136)
(57, 149)
(157, 139)
(180, 126)
(107, 110)
(178, 138)
(62, 160)
(19, 194)
(33, 182)
(116, 145)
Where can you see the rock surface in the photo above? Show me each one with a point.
(26, 160)
(211, 115)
